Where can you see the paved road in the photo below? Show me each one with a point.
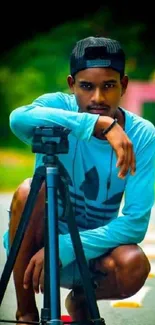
(138, 310)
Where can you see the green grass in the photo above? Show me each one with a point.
(15, 166)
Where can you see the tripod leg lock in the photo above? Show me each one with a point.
(55, 322)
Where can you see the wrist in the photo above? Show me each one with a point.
(103, 123)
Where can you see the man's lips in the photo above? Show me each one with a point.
(98, 110)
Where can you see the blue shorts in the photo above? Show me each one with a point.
(69, 276)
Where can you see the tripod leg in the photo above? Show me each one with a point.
(32, 243)
(51, 311)
(37, 180)
(81, 261)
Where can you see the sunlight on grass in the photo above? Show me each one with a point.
(15, 166)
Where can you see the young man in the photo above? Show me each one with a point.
(111, 154)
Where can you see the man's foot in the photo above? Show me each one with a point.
(29, 317)
(76, 306)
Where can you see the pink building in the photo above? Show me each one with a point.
(138, 93)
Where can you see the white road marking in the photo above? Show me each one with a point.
(149, 250)
(149, 238)
(148, 246)
(133, 302)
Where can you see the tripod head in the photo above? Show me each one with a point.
(43, 141)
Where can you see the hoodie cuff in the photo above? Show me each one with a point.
(66, 251)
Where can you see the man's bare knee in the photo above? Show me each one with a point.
(21, 194)
(19, 197)
(17, 205)
(35, 226)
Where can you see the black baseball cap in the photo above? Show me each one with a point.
(98, 52)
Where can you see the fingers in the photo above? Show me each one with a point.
(126, 159)
(28, 274)
(34, 276)
(121, 157)
(124, 150)
(133, 163)
(41, 282)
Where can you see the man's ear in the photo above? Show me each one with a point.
(124, 83)
(71, 82)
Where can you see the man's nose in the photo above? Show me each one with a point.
(98, 96)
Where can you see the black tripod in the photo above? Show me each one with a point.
(49, 172)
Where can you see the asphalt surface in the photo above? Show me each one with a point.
(138, 310)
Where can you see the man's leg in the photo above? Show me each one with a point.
(32, 242)
(126, 268)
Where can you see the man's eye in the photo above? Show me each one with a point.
(86, 86)
(107, 86)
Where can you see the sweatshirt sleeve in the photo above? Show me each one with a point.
(131, 225)
(51, 110)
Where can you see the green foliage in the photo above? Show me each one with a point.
(15, 166)
(148, 111)
(42, 64)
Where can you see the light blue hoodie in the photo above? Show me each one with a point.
(90, 165)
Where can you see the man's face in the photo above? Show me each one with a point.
(98, 90)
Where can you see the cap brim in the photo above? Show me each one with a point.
(115, 64)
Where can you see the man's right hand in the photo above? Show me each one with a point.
(120, 143)
(34, 274)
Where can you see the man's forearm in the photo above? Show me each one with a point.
(23, 120)
(96, 242)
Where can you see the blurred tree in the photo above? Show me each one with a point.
(42, 64)
(148, 111)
